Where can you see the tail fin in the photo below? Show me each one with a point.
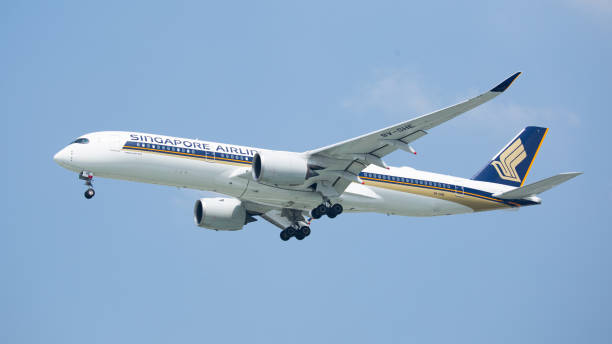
(512, 164)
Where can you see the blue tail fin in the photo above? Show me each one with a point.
(512, 164)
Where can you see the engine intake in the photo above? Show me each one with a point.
(226, 214)
(280, 168)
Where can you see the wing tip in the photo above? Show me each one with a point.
(506, 83)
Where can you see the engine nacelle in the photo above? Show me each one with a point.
(280, 168)
(226, 214)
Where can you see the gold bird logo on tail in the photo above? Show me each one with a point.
(509, 159)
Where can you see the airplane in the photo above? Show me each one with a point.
(291, 189)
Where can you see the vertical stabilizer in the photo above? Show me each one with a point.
(512, 164)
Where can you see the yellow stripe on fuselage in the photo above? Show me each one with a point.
(200, 157)
(475, 201)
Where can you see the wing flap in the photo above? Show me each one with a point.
(283, 217)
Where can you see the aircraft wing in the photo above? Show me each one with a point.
(357, 153)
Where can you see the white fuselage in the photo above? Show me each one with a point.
(225, 169)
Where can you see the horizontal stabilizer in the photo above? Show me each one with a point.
(537, 187)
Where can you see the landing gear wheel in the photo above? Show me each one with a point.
(337, 209)
(319, 211)
(305, 230)
(290, 231)
(334, 211)
(89, 193)
(284, 235)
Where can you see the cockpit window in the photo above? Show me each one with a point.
(81, 140)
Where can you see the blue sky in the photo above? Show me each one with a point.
(130, 266)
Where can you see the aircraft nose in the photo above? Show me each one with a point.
(61, 157)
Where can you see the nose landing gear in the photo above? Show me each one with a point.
(88, 178)
(89, 193)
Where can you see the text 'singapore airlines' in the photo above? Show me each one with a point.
(291, 189)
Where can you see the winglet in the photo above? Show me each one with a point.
(506, 83)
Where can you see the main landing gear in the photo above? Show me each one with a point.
(326, 209)
(87, 177)
(299, 231)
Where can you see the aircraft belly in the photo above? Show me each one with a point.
(172, 171)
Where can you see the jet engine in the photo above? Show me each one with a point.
(226, 214)
(280, 168)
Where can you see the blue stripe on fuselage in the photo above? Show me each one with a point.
(188, 152)
(247, 160)
(426, 184)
